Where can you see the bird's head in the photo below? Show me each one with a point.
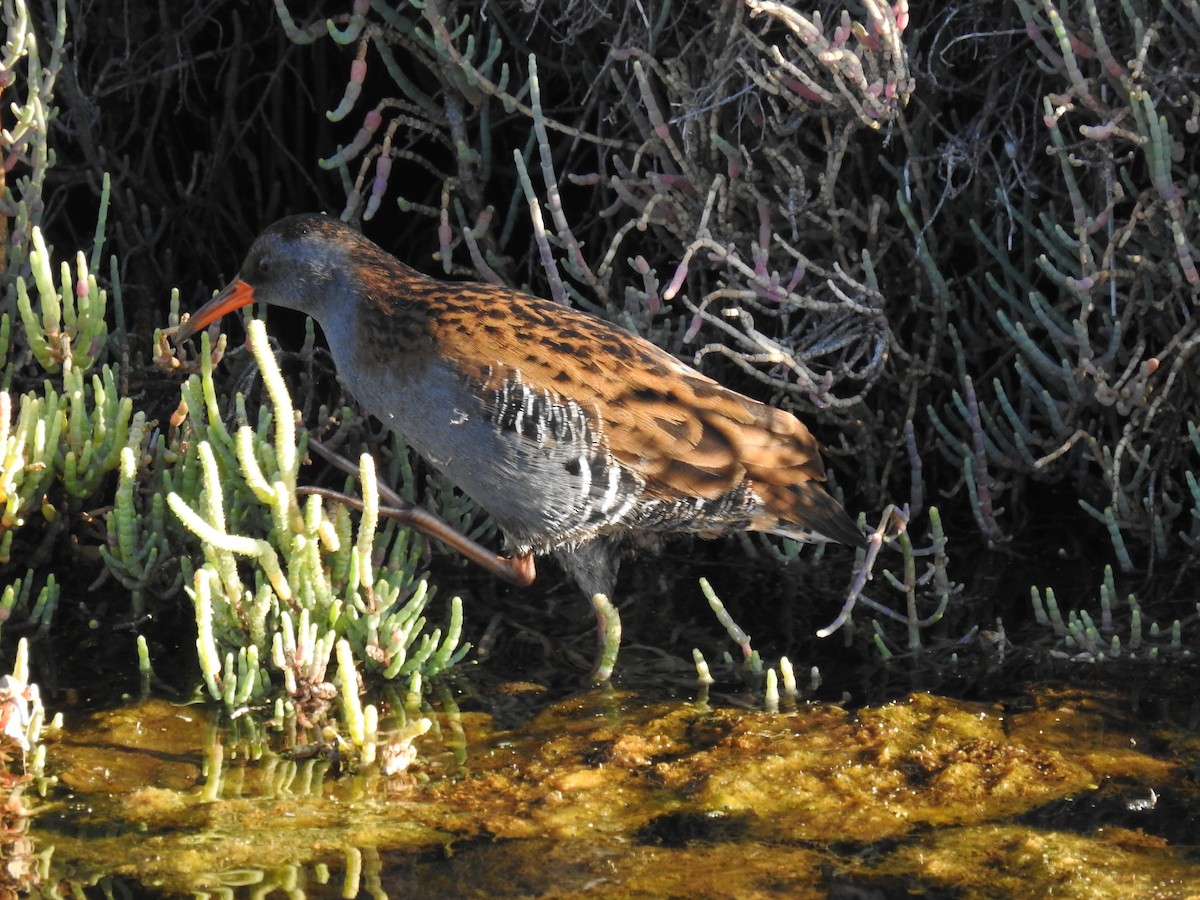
(296, 263)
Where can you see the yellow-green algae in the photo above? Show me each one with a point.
(1017, 861)
(605, 794)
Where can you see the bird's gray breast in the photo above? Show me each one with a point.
(536, 461)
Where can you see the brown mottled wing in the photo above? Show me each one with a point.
(688, 435)
(683, 433)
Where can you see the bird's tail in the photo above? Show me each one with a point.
(824, 519)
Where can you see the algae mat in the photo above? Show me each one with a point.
(610, 794)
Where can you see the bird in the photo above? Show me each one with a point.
(581, 439)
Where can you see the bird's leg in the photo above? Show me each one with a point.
(593, 566)
(519, 570)
(524, 567)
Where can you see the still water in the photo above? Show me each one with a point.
(616, 792)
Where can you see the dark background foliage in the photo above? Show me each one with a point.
(950, 223)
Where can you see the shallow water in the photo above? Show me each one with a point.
(620, 793)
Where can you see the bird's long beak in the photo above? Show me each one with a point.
(236, 295)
